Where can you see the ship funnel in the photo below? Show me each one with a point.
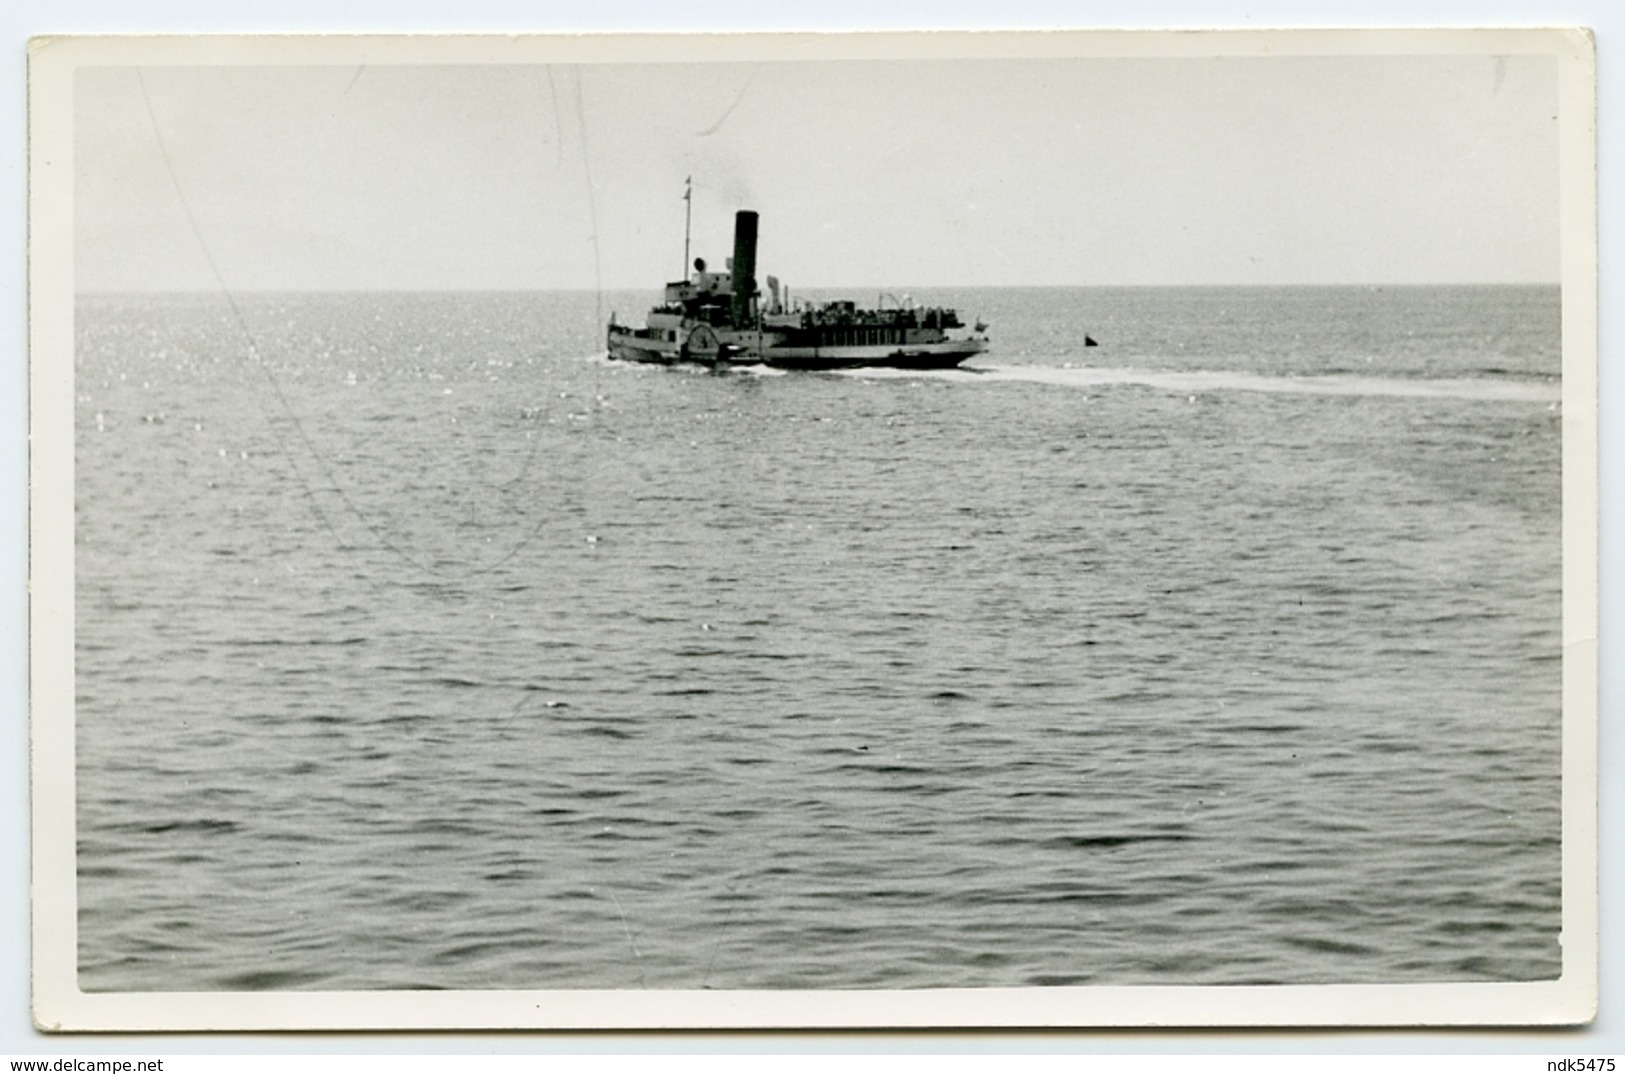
(744, 265)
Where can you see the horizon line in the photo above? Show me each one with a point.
(363, 290)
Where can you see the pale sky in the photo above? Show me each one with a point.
(1231, 170)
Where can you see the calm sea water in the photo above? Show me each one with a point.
(419, 646)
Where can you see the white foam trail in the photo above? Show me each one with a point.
(1189, 383)
(754, 370)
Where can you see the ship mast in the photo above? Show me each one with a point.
(688, 219)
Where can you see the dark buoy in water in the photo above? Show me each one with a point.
(1089, 341)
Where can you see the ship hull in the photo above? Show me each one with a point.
(629, 348)
(919, 356)
(751, 349)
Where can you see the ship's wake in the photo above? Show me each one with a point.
(752, 369)
(1201, 381)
